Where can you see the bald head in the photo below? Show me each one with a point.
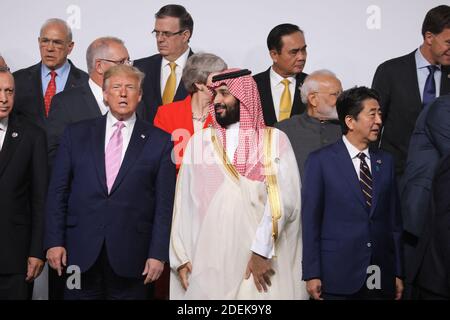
(2, 61)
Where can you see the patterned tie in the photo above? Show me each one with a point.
(169, 89)
(113, 155)
(50, 92)
(365, 179)
(429, 91)
(285, 101)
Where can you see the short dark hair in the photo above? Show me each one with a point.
(350, 103)
(177, 11)
(436, 20)
(274, 38)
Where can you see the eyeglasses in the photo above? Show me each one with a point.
(334, 94)
(166, 34)
(45, 42)
(126, 61)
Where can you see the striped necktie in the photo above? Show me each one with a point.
(365, 179)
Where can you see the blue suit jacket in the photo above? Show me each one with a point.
(134, 220)
(341, 238)
(429, 142)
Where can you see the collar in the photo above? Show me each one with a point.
(111, 120)
(421, 62)
(180, 62)
(275, 78)
(45, 71)
(96, 90)
(352, 150)
(233, 126)
(4, 124)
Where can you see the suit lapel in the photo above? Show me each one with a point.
(98, 147)
(445, 80)
(411, 73)
(347, 169)
(267, 100)
(156, 85)
(376, 166)
(36, 81)
(89, 98)
(74, 77)
(181, 92)
(13, 137)
(138, 139)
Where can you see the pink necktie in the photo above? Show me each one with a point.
(113, 155)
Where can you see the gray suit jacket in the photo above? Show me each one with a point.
(308, 134)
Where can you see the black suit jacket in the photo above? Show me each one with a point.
(23, 187)
(68, 107)
(151, 98)
(29, 100)
(265, 92)
(396, 82)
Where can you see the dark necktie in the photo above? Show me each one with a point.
(365, 179)
(429, 91)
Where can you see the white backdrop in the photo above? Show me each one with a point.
(350, 37)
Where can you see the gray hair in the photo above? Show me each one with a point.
(311, 84)
(198, 67)
(61, 22)
(124, 70)
(98, 49)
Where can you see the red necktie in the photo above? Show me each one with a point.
(50, 92)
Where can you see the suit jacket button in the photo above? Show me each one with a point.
(369, 244)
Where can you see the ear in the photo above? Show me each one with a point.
(98, 66)
(313, 99)
(186, 35)
(428, 38)
(349, 121)
(70, 47)
(274, 55)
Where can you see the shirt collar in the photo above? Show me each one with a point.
(352, 150)
(45, 71)
(96, 90)
(421, 62)
(111, 120)
(4, 124)
(180, 62)
(276, 78)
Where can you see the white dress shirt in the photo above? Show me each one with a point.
(165, 69)
(127, 130)
(353, 152)
(277, 89)
(97, 91)
(3, 128)
(232, 136)
(423, 72)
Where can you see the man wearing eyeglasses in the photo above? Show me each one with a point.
(36, 85)
(319, 125)
(86, 101)
(162, 83)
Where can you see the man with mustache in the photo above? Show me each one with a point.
(36, 85)
(350, 212)
(237, 204)
(318, 126)
(277, 85)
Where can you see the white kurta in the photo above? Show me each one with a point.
(217, 214)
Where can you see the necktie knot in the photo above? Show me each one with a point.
(285, 82)
(432, 68)
(172, 66)
(119, 125)
(361, 156)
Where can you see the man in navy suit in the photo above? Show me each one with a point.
(351, 218)
(33, 94)
(173, 31)
(110, 200)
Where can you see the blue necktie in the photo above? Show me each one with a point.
(429, 91)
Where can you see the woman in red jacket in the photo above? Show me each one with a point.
(183, 118)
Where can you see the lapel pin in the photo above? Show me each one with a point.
(14, 135)
(379, 161)
(143, 136)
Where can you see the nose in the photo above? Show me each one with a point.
(378, 119)
(3, 96)
(218, 99)
(123, 92)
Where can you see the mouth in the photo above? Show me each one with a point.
(4, 109)
(123, 103)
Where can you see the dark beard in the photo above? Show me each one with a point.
(232, 115)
